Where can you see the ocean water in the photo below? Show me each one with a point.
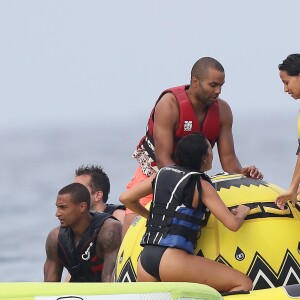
(38, 161)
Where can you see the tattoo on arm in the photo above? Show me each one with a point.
(109, 241)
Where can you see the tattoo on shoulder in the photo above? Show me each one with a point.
(110, 235)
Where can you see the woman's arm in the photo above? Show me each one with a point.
(291, 193)
(130, 198)
(231, 220)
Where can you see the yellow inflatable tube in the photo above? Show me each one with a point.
(106, 291)
(266, 248)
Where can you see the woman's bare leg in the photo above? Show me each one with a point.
(177, 265)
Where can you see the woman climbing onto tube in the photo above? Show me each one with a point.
(181, 195)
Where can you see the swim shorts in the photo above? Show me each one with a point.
(138, 177)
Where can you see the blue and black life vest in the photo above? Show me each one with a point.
(81, 261)
(173, 222)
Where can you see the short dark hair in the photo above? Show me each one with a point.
(291, 65)
(79, 193)
(99, 179)
(191, 151)
(201, 66)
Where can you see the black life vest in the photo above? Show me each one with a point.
(81, 261)
(110, 208)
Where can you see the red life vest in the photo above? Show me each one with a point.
(188, 123)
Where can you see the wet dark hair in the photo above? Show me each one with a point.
(291, 65)
(99, 179)
(191, 151)
(79, 193)
(201, 66)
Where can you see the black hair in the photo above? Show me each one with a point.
(99, 179)
(201, 66)
(79, 193)
(291, 65)
(191, 151)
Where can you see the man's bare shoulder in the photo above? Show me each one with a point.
(167, 107)
(51, 243)
(53, 234)
(110, 226)
(52, 237)
(222, 103)
(167, 98)
(224, 110)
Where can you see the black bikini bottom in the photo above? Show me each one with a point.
(150, 259)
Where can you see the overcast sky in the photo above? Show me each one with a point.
(61, 61)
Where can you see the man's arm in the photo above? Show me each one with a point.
(108, 244)
(166, 118)
(53, 267)
(228, 158)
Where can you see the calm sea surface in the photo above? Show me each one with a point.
(37, 162)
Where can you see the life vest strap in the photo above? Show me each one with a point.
(162, 213)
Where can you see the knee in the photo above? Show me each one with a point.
(247, 285)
